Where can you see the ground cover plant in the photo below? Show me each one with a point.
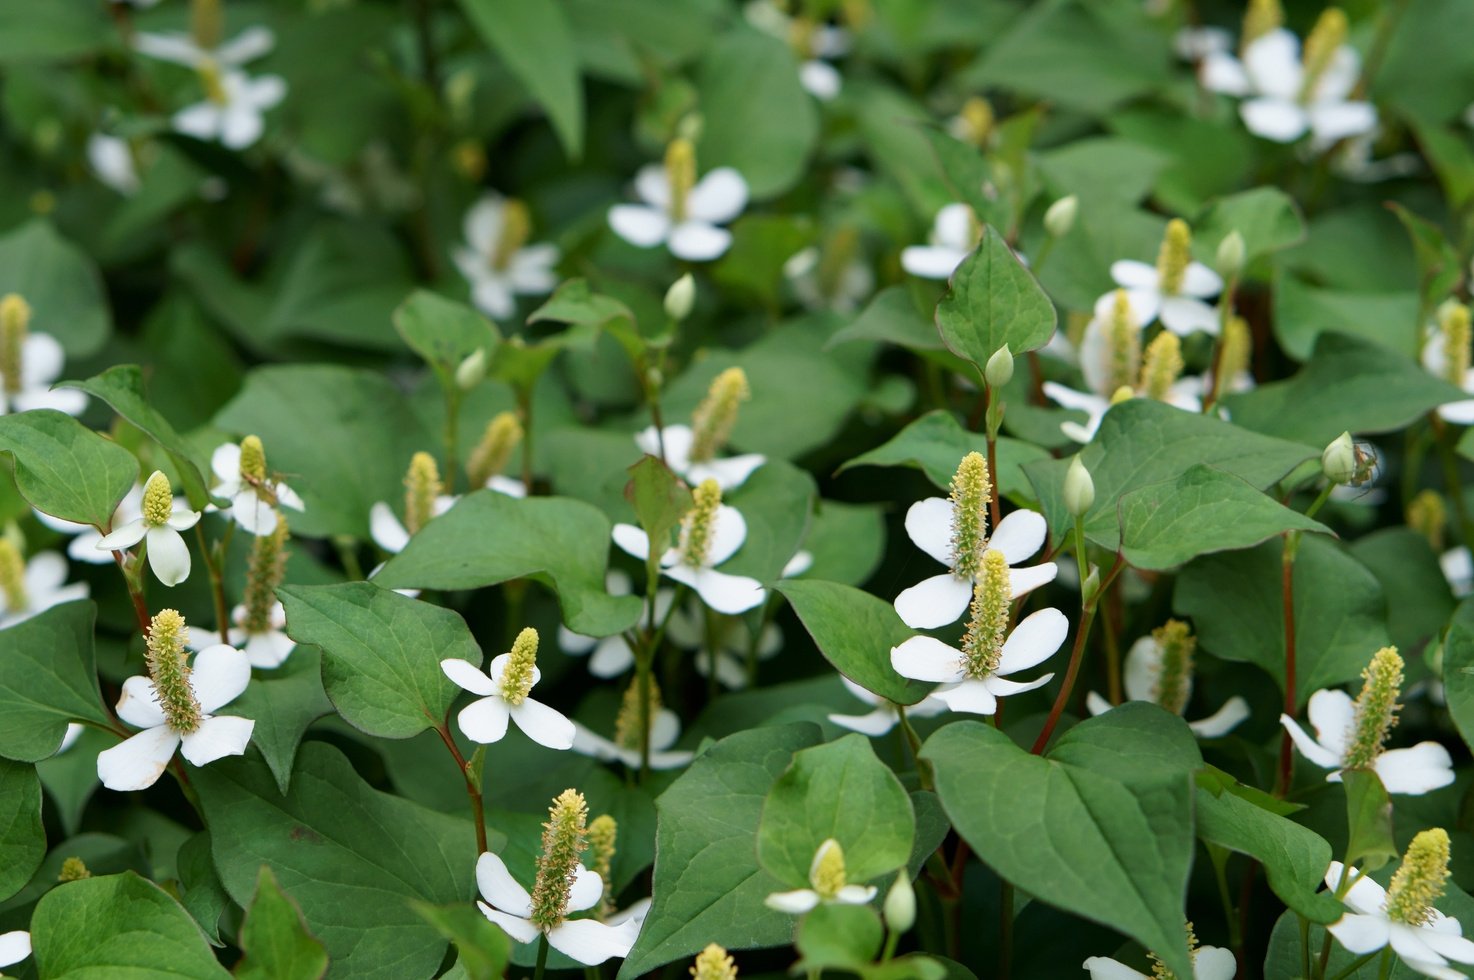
(887, 488)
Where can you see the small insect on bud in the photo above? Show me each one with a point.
(1079, 489)
(1060, 217)
(680, 298)
(472, 370)
(999, 369)
(1338, 461)
(1231, 254)
(900, 904)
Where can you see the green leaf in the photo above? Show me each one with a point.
(777, 502)
(535, 43)
(1368, 820)
(1204, 510)
(838, 790)
(122, 387)
(936, 443)
(204, 897)
(351, 857)
(660, 501)
(482, 949)
(855, 631)
(1419, 603)
(381, 653)
(1235, 603)
(118, 926)
(994, 301)
(1102, 828)
(708, 887)
(64, 468)
(48, 677)
(274, 941)
(59, 281)
(1303, 313)
(892, 317)
(489, 538)
(1438, 264)
(1268, 219)
(22, 838)
(839, 937)
(283, 702)
(443, 332)
(1458, 669)
(49, 33)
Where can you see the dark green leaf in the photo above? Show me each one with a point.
(22, 838)
(443, 332)
(57, 279)
(993, 301)
(839, 937)
(283, 703)
(936, 443)
(48, 677)
(660, 500)
(855, 631)
(64, 468)
(1369, 839)
(482, 949)
(275, 943)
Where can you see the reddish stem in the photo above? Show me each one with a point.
(1287, 599)
(478, 812)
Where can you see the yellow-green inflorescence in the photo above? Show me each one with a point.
(1321, 45)
(73, 869)
(1174, 256)
(15, 323)
(987, 624)
(167, 638)
(1428, 515)
(490, 456)
(698, 527)
(1123, 341)
(627, 722)
(1174, 680)
(1236, 348)
(564, 839)
(1160, 971)
(516, 228)
(827, 873)
(978, 120)
(265, 569)
(13, 575)
(680, 171)
(1161, 366)
(970, 492)
(158, 500)
(253, 461)
(1421, 879)
(1455, 334)
(518, 675)
(206, 22)
(1376, 709)
(713, 963)
(421, 486)
(1261, 17)
(712, 422)
(603, 839)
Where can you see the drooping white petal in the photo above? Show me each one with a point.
(1331, 713)
(1019, 535)
(485, 720)
(855, 894)
(971, 697)
(173, 46)
(1417, 770)
(1222, 72)
(225, 462)
(138, 762)
(201, 120)
(876, 723)
(652, 185)
(252, 513)
(1080, 401)
(955, 228)
(287, 497)
(542, 724)
(1133, 274)
(1364, 895)
(14, 947)
(796, 902)
(665, 728)
(591, 942)
(1104, 968)
(1273, 64)
(1308, 746)
(386, 529)
(934, 602)
(1034, 640)
(248, 45)
(731, 669)
(1143, 302)
(723, 593)
(498, 887)
(531, 268)
(1339, 77)
(138, 705)
(639, 225)
(1407, 943)
(492, 296)
(168, 555)
(612, 657)
(587, 890)
(220, 675)
(1200, 281)
(801, 562)
(1096, 705)
(1447, 942)
(1003, 687)
(929, 526)
(468, 676)
(269, 650)
(507, 485)
(241, 125)
(698, 241)
(1143, 666)
(519, 929)
(42, 358)
(632, 540)
(1184, 315)
(718, 197)
(1222, 721)
(926, 658)
(1274, 119)
(1214, 963)
(216, 738)
(730, 472)
(1332, 121)
(1459, 413)
(931, 261)
(124, 537)
(182, 518)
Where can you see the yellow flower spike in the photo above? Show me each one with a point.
(489, 458)
(699, 524)
(212, 80)
(1174, 256)
(516, 229)
(167, 638)
(15, 322)
(680, 172)
(1236, 348)
(971, 490)
(1160, 970)
(158, 500)
(1428, 515)
(987, 624)
(1421, 879)
(627, 722)
(603, 839)
(1321, 45)
(253, 461)
(1161, 366)
(978, 120)
(1123, 340)
(72, 869)
(1174, 680)
(1260, 18)
(1454, 331)
(827, 873)
(265, 570)
(517, 676)
(206, 23)
(1123, 394)
(1376, 708)
(13, 576)
(713, 963)
(421, 486)
(564, 839)
(714, 418)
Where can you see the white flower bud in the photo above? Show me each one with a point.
(900, 904)
(1338, 462)
(1079, 489)
(680, 297)
(472, 371)
(1060, 217)
(999, 369)
(1231, 255)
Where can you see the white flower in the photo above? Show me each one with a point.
(509, 486)
(1271, 78)
(1197, 43)
(496, 261)
(41, 361)
(266, 650)
(686, 628)
(1209, 963)
(730, 472)
(111, 159)
(1435, 361)
(1417, 770)
(885, 716)
(389, 531)
(688, 225)
(954, 234)
(1141, 677)
(181, 49)
(942, 599)
(251, 504)
(234, 112)
(163, 517)
(1031, 642)
(219, 676)
(1425, 947)
(827, 876)
(851, 287)
(83, 546)
(811, 41)
(612, 655)
(1183, 311)
(588, 941)
(485, 720)
(14, 947)
(1458, 567)
(730, 594)
(44, 585)
(665, 729)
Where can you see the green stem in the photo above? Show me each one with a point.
(452, 435)
(1385, 970)
(524, 405)
(1452, 483)
(1087, 618)
(923, 768)
(1220, 872)
(1357, 964)
(542, 956)
(217, 585)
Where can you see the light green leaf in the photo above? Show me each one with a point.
(994, 301)
(839, 937)
(381, 653)
(488, 538)
(1369, 839)
(534, 41)
(482, 949)
(660, 501)
(64, 468)
(204, 897)
(936, 443)
(22, 837)
(855, 631)
(283, 702)
(1303, 313)
(838, 790)
(118, 926)
(777, 502)
(48, 677)
(58, 280)
(443, 332)
(351, 857)
(1458, 669)
(1268, 219)
(274, 941)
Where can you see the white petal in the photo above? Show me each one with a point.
(718, 197)
(877, 722)
(124, 537)
(665, 728)
(1332, 121)
(931, 261)
(201, 120)
(1273, 64)
(1360, 934)
(723, 593)
(1364, 895)
(182, 518)
(1103, 968)
(138, 762)
(937, 601)
(492, 296)
(1019, 535)
(543, 725)
(1200, 281)
(1131, 274)
(1081, 401)
(45, 572)
(632, 540)
(1184, 315)
(287, 497)
(591, 942)
(955, 228)
(678, 440)
(1221, 72)
(638, 224)
(1033, 641)
(1331, 713)
(531, 268)
(861, 693)
(1214, 963)
(731, 669)
(41, 360)
(1222, 721)
(698, 241)
(1274, 119)
(1417, 770)
(173, 46)
(1143, 302)
(612, 657)
(168, 555)
(1448, 944)
(69, 527)
(217, 738)
(1096, 705)
(1143, 666)
(269, 650)
(138, 705)
(220, 675)
(252, 513)
(519, 929)
(1407, 942)
(855, 894)
(970, 696)
(1459, 413)
(926, 658)
(508, 486)
(730, 472)
(241, 125)
(248, 45)
(69, 738)
(484, 721)
(729, 531)
(820, 79)
(14, 947)
(482, 226)
(801, 562)
(665, 760)
(796, 902)
(1003, 687)
(929, 525)
(588, 889)
(386, 529)
(652, 185)
(498, 887)
(225, 461)
(637, 912)
(1308, 747)
(468, 676)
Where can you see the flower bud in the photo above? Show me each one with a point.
(490, 456)
(1060, 217)
(1231, 253)
(421, 486)
(1174, 257)
(471, 371)
(900, 904)
(73, 869)
(680, 298)
(1091, 586)
(1338, 461)
(1079, 489)
(999, 369)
